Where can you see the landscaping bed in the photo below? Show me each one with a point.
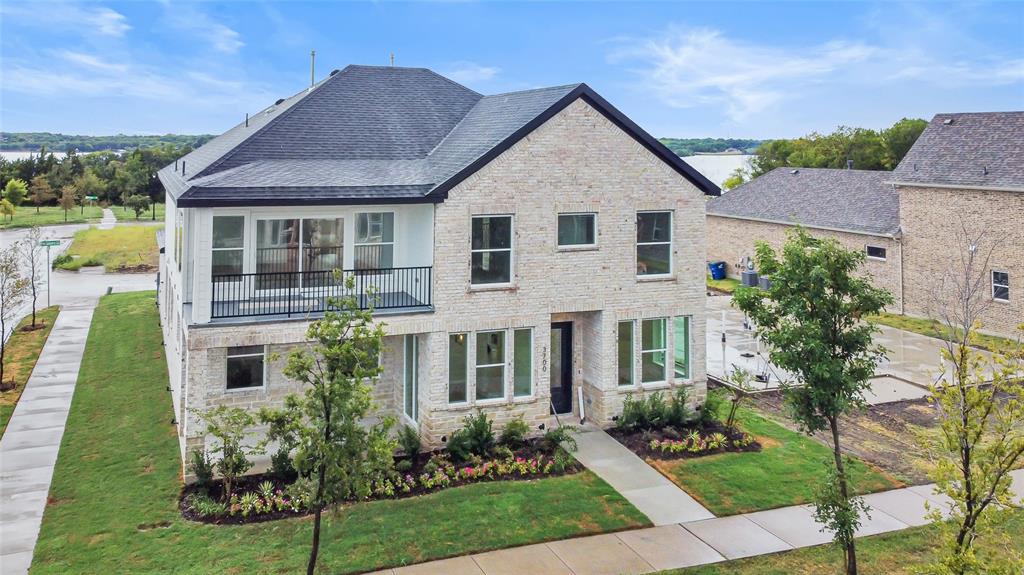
(700, 440)
(20, 356)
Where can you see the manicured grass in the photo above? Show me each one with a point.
(727, 285)
(933, 328)
(20, 356)
(785, 472)
(898, 553)
(123, 247)
(124, 215)
(26, 216)
(113, 502)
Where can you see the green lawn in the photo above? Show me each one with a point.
(124, 215)
(20, 356)
(122, 247)
(933, 328)
(113, 502)
(26, 216)
(898, 553)
(785, 472)
(727, 285)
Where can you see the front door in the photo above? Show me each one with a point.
(561, 367)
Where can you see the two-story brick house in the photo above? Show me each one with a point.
(529, 250)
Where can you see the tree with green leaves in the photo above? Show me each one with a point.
(900, 137)
(737, 177)
(40, 191)
(812, 318)
(13, 289)
(228, 425)
(334, 447)
(15, 192)
(980, 407)
(7, 209)
(137, 203)
(88, 184)
(30, 252)
(68, 194)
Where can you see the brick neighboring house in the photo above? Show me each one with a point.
(968, 166)
(525, 246)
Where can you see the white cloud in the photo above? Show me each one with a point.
(188, 18)
(470, 72)
(87, 20)
(90, 61)
(108, 22)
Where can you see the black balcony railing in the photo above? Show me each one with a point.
(296, 294)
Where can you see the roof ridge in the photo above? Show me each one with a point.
(573, 85)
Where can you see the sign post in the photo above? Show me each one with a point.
(48, 244)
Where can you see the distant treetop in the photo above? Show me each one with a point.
(33, 141)
(694, 146)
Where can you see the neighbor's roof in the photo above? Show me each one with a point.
(373, 133)
(848, 200)
(971, 149)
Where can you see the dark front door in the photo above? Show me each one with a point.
(561, 367)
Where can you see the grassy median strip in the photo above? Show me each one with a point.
(933, 328)
(114, 500)
(123, 248)
(23, 349)
(785, 472)
(26, 216)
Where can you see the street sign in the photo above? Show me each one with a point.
(48, 243)
(92, 198)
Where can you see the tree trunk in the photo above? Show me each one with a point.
(315, 550)
(849, 547)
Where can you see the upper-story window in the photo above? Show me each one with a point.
(1001, 286)
(653, 243)
(875, 252)
(375, 240)
(179, 237)
(491, 247)
(228, 244)
(577, 230)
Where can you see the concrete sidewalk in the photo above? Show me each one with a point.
(692, 543)
(28, 449)
(109, 220)
(662, 501)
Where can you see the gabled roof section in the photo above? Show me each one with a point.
(370, 132)
(857, 201)
(978, 150)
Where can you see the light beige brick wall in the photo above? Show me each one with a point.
(931, 217)
(732, 239)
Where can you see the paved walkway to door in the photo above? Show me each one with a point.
(691, 543)
(109, 220)
(28, 449)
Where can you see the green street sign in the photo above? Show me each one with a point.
(48, 243)
(92, 198)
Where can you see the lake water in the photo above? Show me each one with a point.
(22, 155)
(718, 168)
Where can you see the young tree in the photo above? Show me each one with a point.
(138, 204)
(7, 208)
(981, 416)
(228, 425)
(736, 178)
(334, 447)
(88, 184)
(41, 192)
(30, 253)
(812, 319)
(15, 192)
(67, 199)
(13, 289)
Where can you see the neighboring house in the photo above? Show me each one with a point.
(524, 246)
(964, 167)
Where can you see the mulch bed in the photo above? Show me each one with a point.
(137, 269)
(639, 442)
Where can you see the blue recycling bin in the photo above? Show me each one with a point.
(717, 270)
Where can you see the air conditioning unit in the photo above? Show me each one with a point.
(748, 278)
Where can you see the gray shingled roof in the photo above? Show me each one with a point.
(370, 132)
(852, 200)
(970, 149)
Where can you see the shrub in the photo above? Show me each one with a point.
(282, 429)
(475, 438)
(562, 460)
(228, 425)
(204, 505)
(202, 467)
(561, 437)
(458, 447)
(403, 466)
(649, 412)
(712, 408)
(409, 441)
(61, 260)
(514, 434)
(678, 414)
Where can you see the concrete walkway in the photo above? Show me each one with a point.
(28, 449)
(691, 543)
(662, 501)
(108, 221)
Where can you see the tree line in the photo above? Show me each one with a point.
(692, 146)
(34, 141)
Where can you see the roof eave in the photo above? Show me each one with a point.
(892, 234)
(192, 198)
(955, 186)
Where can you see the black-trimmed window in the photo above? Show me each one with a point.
(491, 247)
(577, 230)
(1000, 286)
(228, 245)
(653, 243)
(245, 367)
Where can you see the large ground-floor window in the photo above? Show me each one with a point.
(410, 377)
(502, 365)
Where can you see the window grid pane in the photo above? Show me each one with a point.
(652, 355)
(625, 344)
(458, 359)
(490, 365)
(410, 391)
(491, 250)
(523, 362)
(576, 229)
(653, 243)
(1001, 286)
(244, 367)
(682, 347)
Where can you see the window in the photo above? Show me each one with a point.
(375, 241)
(228, 235)
(652, 351)
(1001, 286)
(410, 389)
(625, 345)
(490, 365)
(653, 243)
(682, 347)
(522, 362)
(277, 248)
(458, 358)
(577, 230)
(245, 367)
(179, 233)
(491, 249)
(875, 252)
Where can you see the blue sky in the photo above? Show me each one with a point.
(753, 69)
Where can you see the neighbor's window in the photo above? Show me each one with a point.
(228, 241)
(625, 345)
(245, 367)
(522, 362)
(652, 350)
(375, 241)
(577, 230)
(458, 359)
(490, 365)
(876, 252)
(491, 248)
(682, 346)
(653, 243)
(179, 237)
(1001, 286)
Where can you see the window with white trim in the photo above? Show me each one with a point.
(681, 347)
(625, 353)
(458, 371)
(179, 237)
(375, 241)
(653, 350)
(228, 245)
(490, 365)
(245, 367)
(577, 230)
(491, 250)
(875, 252)
(410, 376)
(1000, 286)
(653, 243)
(522, 362)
